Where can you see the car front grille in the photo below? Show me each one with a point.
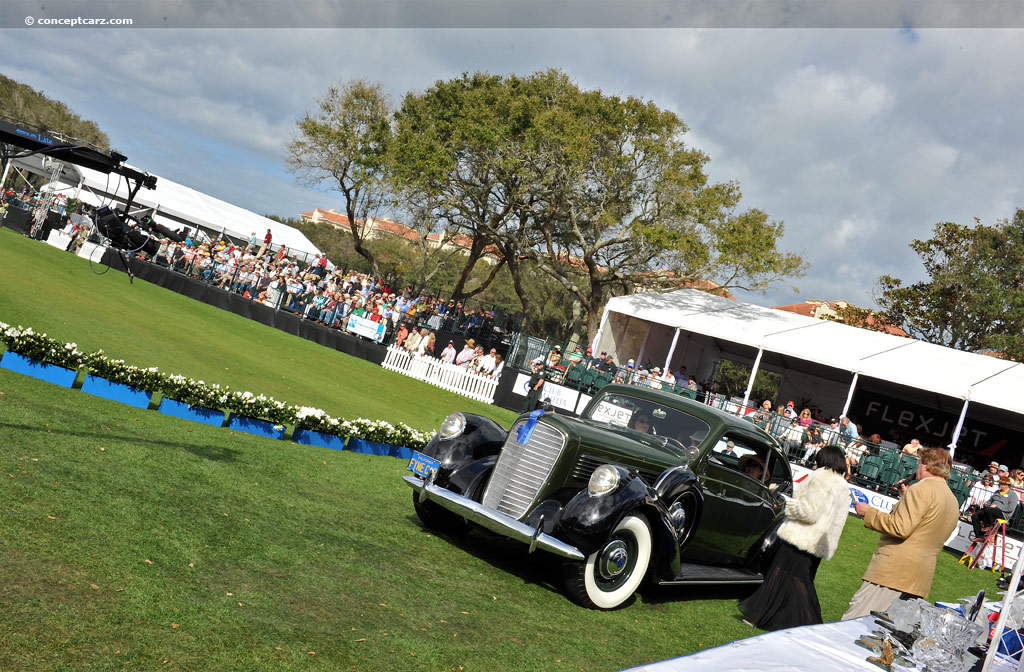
(587, 463)
(522, 470)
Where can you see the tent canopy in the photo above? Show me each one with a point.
(800, 342)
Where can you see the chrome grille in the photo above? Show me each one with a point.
(587, 463)
(522, 469)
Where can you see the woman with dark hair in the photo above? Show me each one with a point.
(814, 522)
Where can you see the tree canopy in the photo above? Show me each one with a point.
(973, 298)
(598, 192)
(24, 104)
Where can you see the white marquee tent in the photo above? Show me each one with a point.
(175, 204)
(693, 328)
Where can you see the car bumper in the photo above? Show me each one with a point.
(492, 520)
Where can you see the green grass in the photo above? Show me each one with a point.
(130, 540)
(55, 292)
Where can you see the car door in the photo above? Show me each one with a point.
(737, 506)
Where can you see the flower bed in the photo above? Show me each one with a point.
(198, 400)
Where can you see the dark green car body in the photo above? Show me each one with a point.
(708, 519)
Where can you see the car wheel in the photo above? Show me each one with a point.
(612, 574)
(438, 518)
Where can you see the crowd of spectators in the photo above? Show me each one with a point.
(583, 370)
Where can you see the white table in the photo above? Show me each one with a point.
(814, 648)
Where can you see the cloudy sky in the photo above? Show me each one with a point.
(858, 138)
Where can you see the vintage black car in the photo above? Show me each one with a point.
(643, 484)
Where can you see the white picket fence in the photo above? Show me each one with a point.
(453, 378)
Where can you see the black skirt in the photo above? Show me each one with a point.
(787, 598)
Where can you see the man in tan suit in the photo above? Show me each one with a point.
(912, 536)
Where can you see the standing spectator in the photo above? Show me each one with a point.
(403, 333)
(912, 535)
(535, 386)
(448, 354)
(266, 243)
(468, 352)
(814, 522)
(499, 366)
(487, 363)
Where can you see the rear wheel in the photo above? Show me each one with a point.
(437, 517)
(612, 574)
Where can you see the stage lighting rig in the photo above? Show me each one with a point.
(128, 235)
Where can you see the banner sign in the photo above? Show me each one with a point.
(360, 326)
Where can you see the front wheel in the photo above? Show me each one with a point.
(612, 574)
(437, 517)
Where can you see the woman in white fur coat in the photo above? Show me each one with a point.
(814, 522)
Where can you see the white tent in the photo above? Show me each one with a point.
(693, 328)
(175, 205)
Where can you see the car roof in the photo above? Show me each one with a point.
(715, 417)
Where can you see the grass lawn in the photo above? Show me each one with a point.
(130, 540)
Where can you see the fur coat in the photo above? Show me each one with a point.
(817, 513)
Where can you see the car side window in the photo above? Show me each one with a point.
(739, 455)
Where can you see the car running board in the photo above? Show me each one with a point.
(694, 573)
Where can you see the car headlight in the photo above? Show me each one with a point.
(604, 479)
(452, 426)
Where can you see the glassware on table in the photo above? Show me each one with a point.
(945, 637)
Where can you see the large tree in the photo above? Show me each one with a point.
(626, 204)
(344, 144)
(973, 298)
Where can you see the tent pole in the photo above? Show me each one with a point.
(753, 374)
(7, 170)
(643, 348)
(849, 397)
(959, 426)
(671, 351)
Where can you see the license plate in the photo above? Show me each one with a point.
(423, 465)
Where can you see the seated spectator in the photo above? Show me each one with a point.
(812, 443)
(805, 417)
(793, 438)
(1000, 506)
(980, 493)
(912, 447)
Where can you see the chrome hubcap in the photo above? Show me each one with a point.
(678, 515)
(613, 559)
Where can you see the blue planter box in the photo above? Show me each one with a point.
(206, 416)
(265, 428)
(375, 448)
(308, 437)
(101, 387)
(51, 373)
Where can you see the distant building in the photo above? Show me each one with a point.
(375, 228)
(830, 310)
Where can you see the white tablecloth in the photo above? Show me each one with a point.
(815, 648)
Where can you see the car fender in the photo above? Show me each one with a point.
(671, 484)
(466, 458)
(587, 520)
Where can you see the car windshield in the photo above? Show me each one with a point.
(648, 417)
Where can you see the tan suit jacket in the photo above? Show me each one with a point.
(912, 535)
